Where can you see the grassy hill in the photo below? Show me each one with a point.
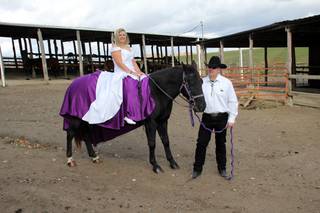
(275, 56)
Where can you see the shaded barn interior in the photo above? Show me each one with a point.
(32, 43)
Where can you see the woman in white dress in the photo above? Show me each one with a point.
(123, 58)
(109, 85)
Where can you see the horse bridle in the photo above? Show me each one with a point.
(185, 85)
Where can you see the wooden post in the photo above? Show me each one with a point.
(20, 47)
(152, 54)
(205, 55)
(3, 80)
(191, 54)
(166, 54)
(75, 49)
(55, 48)
(107, 51)
(289, 64)
(65, 70)
(158, 54)
(31, 57)
(104, 51)
(25, 45)
(161, 53)
(251, 56)
(221, 52)
(38, 46)
(187, 61)
(179, 53)
(250, 51)
(49, 48)
(99, 55)
(144, 53)
(241, 63)
(80, 53)
(43, 57)
(90, 51)
(83, 46)
(266, 66)
(172, 52)
(14, 54)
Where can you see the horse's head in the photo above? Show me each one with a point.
(192, 87)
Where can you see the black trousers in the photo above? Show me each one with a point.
(217, 122)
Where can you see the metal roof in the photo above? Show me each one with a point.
(15, 30)
(306, 31)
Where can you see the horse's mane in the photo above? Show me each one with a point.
(162, 71)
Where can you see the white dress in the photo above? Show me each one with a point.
(109, 93)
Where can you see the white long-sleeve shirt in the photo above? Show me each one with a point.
(220, 97)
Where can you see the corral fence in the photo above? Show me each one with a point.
(259, 83)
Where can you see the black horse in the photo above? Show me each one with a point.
(165, 85)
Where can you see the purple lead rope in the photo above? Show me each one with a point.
(214, 131)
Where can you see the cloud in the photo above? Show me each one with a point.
(220, 17)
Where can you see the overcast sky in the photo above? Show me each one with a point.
(174, 17)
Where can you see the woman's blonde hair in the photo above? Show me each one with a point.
(116, 34)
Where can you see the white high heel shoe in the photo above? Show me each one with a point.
(129, 121)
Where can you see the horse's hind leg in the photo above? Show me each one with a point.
(92, 154)
(163, 133)
(70, 136)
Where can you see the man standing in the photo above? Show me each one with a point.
(221, 112)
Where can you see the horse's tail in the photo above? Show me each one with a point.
(77, 141)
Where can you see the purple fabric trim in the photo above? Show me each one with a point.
(81, 93)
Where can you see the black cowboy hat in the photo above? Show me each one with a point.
(215, 63)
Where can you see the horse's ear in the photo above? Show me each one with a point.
(194, 64)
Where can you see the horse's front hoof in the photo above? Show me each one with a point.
(96, 160)
(174, 165)
(71, 163)
(157, 169)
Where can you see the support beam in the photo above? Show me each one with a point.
(166, 55)
(49, 48)
(158, 54)
(161, 53)
(14, 53)
(144, 53)
(172, 52)
(104, 51)
(3, 80)
(266, 66)
(56, 50)
(99, 52)
(65, 70)
(80, 53)
(250, 51)
(179, 53)
(152, 54)
(187, 58)
(251, 56)
(241, 63)
(191, 54)
(43, 57)
(221, 52)
(31, 57)
(205, 55)
(289, 62)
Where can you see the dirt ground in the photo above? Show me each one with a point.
(276, 162)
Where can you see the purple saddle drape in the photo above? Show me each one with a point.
(82, 92)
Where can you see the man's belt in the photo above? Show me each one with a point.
(216, 114)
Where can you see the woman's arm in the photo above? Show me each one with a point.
(116, 55)
(136, 67)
